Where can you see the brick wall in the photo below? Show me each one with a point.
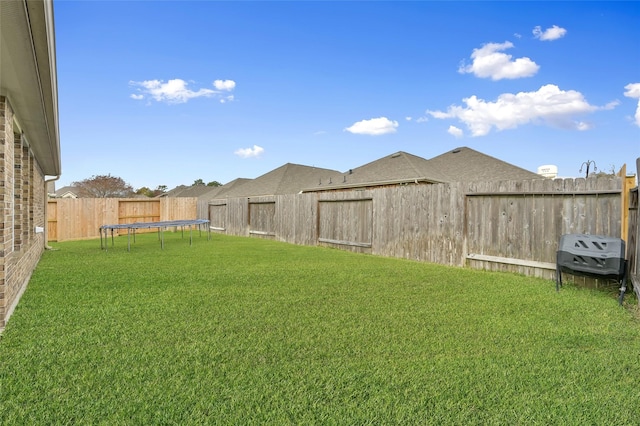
(22, 208)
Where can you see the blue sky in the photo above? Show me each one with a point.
(164, 93)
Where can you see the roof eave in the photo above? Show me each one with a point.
(29, 78)
(370, 184)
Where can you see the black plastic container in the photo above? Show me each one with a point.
(592, 255)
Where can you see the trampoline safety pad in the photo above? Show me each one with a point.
(161, 226)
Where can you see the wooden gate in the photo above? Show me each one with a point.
(218, 216)
(346, 222)
(262, 218)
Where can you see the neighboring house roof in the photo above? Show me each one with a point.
(460, 164)
(29, 80)
(174, 192)
(466, 164)
(51, 188)
(393, 169)
(192, 191)
(287, 179)
(67, 192)
(221, 191)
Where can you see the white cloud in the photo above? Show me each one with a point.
(455, 131)
(226, 85)
(611, 105)
(374, 126)
(489, 61)
(176, 91)
(256, 151)
(549, 34)
(582, 126)
(548, 105)
(633, 91)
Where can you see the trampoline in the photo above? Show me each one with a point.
(161, 226)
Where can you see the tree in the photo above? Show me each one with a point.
(214, 183)
(161, 189)
(103, 186)
(198, 182)
(144, 191)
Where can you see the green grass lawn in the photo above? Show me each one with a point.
(247, 331)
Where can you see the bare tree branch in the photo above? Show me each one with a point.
(104, 186)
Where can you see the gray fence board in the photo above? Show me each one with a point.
(508, 226)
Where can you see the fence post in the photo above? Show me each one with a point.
(627, 184)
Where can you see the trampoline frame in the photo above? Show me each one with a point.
(131, 230)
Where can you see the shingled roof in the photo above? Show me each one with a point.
(287, 179)
(192, 191)
(460, 164)
(67, 192)
(174, 192)
(396, 168)
(465, 164)
(230, 186)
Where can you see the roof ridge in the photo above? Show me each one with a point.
(409, 158)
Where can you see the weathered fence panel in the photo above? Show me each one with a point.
(237, 216)
(218, 216)
(80, 218)
(420, 222)
(346, 222)
(296, 217)
(633, 240)
(261, 216)
(505, 226)
(516, 227)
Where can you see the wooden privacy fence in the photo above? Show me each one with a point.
(80, 218)
(508, 226)
(633, 239)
